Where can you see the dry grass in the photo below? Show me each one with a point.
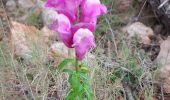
(120, 66)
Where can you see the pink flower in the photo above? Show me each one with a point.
(66, 7)
(89, 26)
(83, 40)
(90, 10)
(75, 20)
(62, 25)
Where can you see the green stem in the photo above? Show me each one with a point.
(77, 65)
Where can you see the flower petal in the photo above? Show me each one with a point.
(83, 40)
(91, 9)
(89, 26)
(62, 25)
(67, 7)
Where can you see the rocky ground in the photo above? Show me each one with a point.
(131, 60)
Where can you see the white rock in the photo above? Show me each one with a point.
(49, 34)
(165, 78)
(25, 4)
(48, 16)
(164, 55)
(140, 30)
(58, 51)
(20, 37)
(164, 60)
(11, 5)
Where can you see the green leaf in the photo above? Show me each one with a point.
(71, 96)
(84, 70)
(88, 91)
(76, 87)
(84, 76)
(65, 62)
(74, 81)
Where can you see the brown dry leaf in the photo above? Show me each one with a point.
(164, 59)
(20, 35)
(140, 30)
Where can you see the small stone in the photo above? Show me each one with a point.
(48, 15)
(163, 57)
(25, 4)
(140, 30)
(11, 5)
(58, 51)
(20, 36)
(165, 78)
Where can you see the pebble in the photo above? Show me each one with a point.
(11, 5)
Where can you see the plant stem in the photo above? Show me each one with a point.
(77, 65)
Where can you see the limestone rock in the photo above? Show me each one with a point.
(25, 4)
(11, 5)
(140, 30)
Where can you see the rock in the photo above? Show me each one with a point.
(164, 55)
(164, 60)
(11, 5)
(49, 34)
(165, 78)
(24, 38)
(140, 30)
(25, 4)
(20, 36)
(48, 15)
(58, 51)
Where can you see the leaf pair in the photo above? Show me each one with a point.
(80, 88)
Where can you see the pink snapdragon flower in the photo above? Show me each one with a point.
(62, 25)
(83, 40)
(90, 10)
(89, 26)
(66, 7)
(75, 21)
